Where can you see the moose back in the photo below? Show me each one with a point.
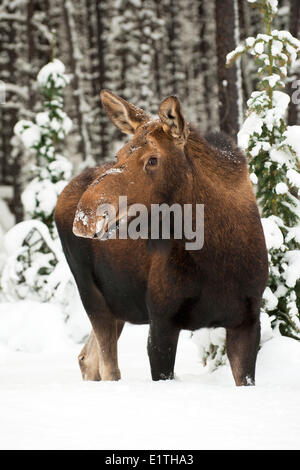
(160, 282)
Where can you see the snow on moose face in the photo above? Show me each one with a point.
(150, 167)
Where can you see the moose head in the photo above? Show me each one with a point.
(152, 168)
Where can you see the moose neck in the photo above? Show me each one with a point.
(216, 180)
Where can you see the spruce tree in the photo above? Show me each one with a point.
(35, 268)
(43, 137)
(273, 149)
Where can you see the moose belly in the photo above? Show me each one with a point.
(212, 298)
(211, 310)
(126, 297)
(208, 308)
(124, 293)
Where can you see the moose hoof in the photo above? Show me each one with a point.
(162, 376)
(111, 375)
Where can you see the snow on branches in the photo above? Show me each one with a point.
(274, 156)
(35, 267)
(52, 170)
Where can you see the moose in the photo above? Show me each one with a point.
(159, 282)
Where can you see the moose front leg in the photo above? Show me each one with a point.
(242, 346)
(162, 346)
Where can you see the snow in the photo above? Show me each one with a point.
(41, 195)
(80, 215)
(18, 327)
(273, 234)
(205, 339)
(280, 105)
(42, 119)
(269, 117)
(281, 188)
(259, 47)
(46, 405)
(62, 125)
(253, 178)
(61, 168)
(15, 236)
(277, 47)
(272, 3)
(46, 276)
(292, 270)
(252, 125)
(29, 133)
(293, 234)
(279, 156)
(292, 44)
(273, 80)
(293, 177)
(112, 171)
(230, 55)
(250, 41)
(7, 219)
(292, 138)
(54, 70)
(270, 299)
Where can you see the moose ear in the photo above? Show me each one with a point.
(124, 115)
(172, 119)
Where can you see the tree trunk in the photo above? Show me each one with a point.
(157, 58)
(294, 28)
(204, 62)
(11, 163)
(228, 92)
(100, 40)
(30, 50)
(84, 143)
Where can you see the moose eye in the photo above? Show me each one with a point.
(152, 161)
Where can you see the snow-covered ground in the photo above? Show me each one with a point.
(45, 405)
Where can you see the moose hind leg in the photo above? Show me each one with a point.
(89, 356)
(89, 359)
(107, 338)
(242, 346)
(106, 330)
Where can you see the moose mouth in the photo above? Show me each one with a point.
(98, 226)
(106, 229)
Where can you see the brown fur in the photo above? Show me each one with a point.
(125, 280)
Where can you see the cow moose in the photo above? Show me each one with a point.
(162, 283)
